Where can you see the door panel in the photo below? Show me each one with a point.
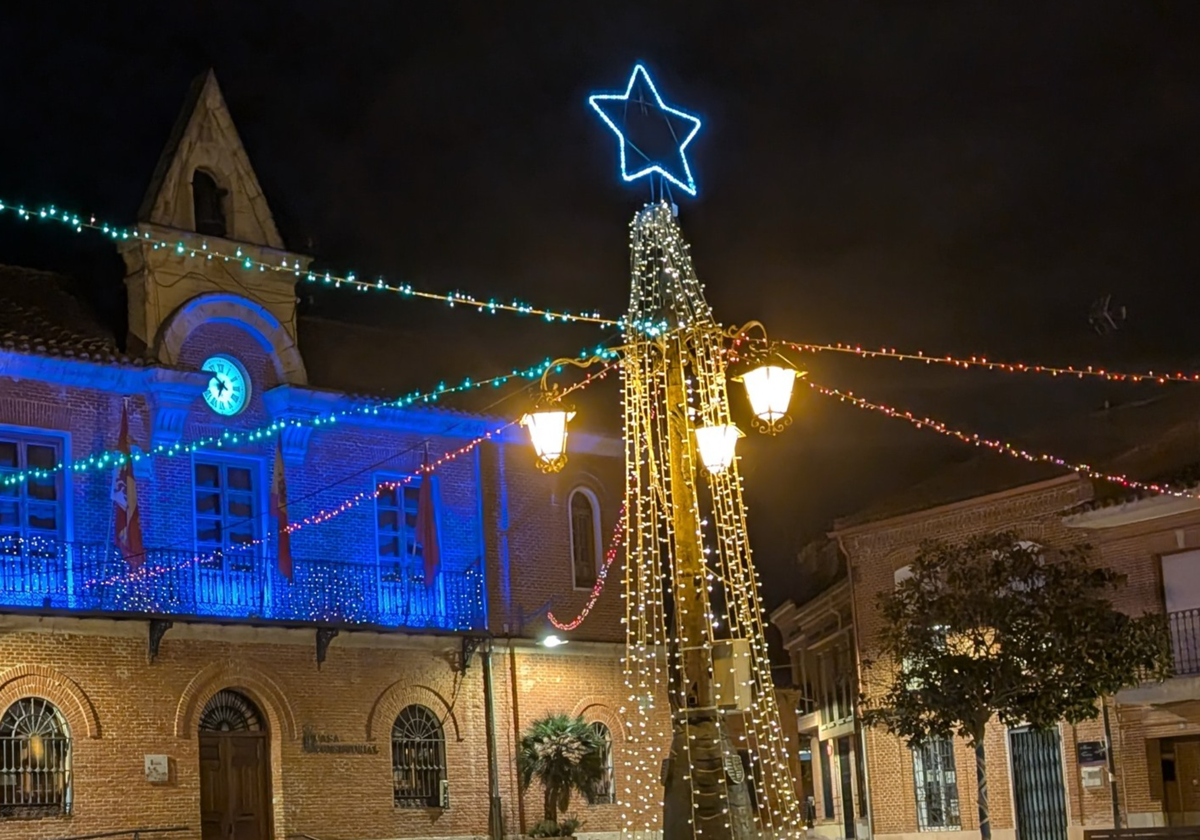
(234, 799)
(1038, 785)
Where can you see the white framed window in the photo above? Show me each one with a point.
(397, 504)
(31, 512)
(583, 512)
(227, 505)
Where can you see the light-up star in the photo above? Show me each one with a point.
(612, 108)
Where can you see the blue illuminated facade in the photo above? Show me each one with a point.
(213, 353)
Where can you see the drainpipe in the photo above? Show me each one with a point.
(516, 710)
(1112, 765)
(496, 805)
(858, 668)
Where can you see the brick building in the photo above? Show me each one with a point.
(819, 638)
(1043, 786)
(361, 693)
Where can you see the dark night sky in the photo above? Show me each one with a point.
(956, 177)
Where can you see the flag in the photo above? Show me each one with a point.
(279, 511)
(427, 535)
(127, 520)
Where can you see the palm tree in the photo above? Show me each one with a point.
(564, 754)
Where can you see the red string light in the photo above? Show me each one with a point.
(327, 514)
(984, 362)
(999, 446)
(614, 546)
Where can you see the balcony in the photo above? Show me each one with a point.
(1185, 641)
(92, 578)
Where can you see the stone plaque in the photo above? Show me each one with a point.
(734, 769)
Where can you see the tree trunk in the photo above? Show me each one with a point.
(985, 823)
(550, 807)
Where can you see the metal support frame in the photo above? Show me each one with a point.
(470, 644)
(325, 635)
(157, 629)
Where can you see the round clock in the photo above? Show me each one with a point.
(229, 388)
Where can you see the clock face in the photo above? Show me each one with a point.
(229, 388)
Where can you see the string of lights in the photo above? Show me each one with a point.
(1090, 371)
(688, 545)
(228, 438)
(614, 547)
(1001, 447)
(217, 251)
(326, 514)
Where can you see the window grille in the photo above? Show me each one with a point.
(229, 711)
(583, 539)
(605, 792)
(936, 785)
(418, 758)
(35, 760)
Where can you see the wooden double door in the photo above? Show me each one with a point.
(235, 777)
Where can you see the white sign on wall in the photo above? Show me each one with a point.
(158, 769)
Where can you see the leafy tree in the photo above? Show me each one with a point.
(997, 627)
(564, 754)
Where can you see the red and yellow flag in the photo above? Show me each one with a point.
(279, 511)
(128, 522)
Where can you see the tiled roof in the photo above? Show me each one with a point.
(1149, 440)
(44, 313)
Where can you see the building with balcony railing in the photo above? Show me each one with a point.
(819, 638)
(1055, 784)
(365, 672)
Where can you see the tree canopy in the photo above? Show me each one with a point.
(1000, 627)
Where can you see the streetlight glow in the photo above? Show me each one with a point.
(717, 445)
(769, 388)
(548, 433)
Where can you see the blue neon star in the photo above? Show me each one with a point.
(677, 170)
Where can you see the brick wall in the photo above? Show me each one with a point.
(119, 708)
(877, 550)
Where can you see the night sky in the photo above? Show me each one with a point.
(951, 177)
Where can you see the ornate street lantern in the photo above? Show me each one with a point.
(769, 387)
(717, 445)
(547, 427)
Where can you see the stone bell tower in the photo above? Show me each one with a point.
(204, 195)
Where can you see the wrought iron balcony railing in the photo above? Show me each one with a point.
(1185, 641)
(85, 577)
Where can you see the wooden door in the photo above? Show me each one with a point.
(234, 786)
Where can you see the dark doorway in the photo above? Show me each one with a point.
(845, 765)
(234, 770)
(1038, 784)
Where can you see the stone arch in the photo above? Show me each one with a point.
(249, 678)
(400, 694)
(41, 681)
(223, 307)
(593, 711)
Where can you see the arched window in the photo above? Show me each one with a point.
(585, 537)
(605, 791)
(35, 760)
(418, 758)
(229, 711)
(208, 204)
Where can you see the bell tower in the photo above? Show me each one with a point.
(204, 194)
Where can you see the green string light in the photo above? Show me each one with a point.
(112, 458)
(206, 251)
